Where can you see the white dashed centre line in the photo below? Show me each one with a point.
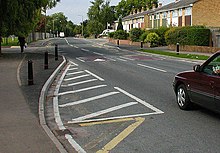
(152, 68)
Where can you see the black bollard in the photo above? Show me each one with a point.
(142, 44)
(118, 43)
(177, 48)
(46, 60)
(30, 73)
(56, 52)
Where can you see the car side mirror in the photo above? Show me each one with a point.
(197, 68)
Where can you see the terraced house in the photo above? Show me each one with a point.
(179, 13)
(185, 13)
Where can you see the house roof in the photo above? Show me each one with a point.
(137, 15)
(174, 5)
(170, 6)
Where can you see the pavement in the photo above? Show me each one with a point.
(21, 131)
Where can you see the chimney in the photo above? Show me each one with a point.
(142, 9)
(160, 5)
(153, 6)
(147, 8)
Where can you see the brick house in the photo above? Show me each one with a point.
(178, 13)
(186, 13)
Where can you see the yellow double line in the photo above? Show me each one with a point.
(115, 141)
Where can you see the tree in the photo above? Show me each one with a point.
(120, 26)
(100, 13)
(126, 6)
(20, 18)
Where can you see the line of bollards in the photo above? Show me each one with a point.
(46, 65)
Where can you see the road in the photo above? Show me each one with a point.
(110, 99)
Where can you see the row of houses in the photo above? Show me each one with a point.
(179, 13)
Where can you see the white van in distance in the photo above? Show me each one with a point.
(62, 35)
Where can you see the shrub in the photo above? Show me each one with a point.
(195, 35)
(135, 34)
(111, 34)
(144, 36)
(120, 34)
(153, 39)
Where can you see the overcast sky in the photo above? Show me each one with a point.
(75, 10)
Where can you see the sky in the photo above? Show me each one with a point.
(76, 10)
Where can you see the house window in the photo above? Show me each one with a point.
(155, 17)
(180, 12)
(158, 16)
(164, 15)
(188, 11)
(168, 14)
(175, 13)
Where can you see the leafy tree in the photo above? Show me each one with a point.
(126, 6)
(120, 26)
(153, 39)
(100, 13)
(135, 34)
(20, 18)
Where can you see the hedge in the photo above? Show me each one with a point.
(135, 34)
(120, 34)
(194, 35)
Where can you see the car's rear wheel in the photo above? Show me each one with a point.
(182, 98)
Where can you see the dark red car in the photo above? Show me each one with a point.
(200, 86)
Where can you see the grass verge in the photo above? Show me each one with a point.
(181, 55)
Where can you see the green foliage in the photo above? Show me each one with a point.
(153, 39)
(194, 35)
(120, 26)
(120, 34)
(124, 7)
(111, 34)
(144, 36)
(161, 33)
(135, 34)
(100, 13)
(95, 27)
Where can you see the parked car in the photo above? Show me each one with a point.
(105, 32)
(200, 86)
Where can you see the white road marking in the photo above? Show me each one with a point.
(86, 50)
(69, 69)
(122, 60)
(76, 47)
(55, 102)
(127, 58)
(104, 111)
(77, 147)
(89, 99)
(77, 83)
(139, 100)
(58, 118)
(73, 63)
(98, 53)
(152, 68)
(75, 73)
(113, 118)
(71, 45)
(80, 90)
(78, 77)
(80, 60)
(95, 75)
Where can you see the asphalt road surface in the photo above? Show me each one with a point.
(110, 99)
